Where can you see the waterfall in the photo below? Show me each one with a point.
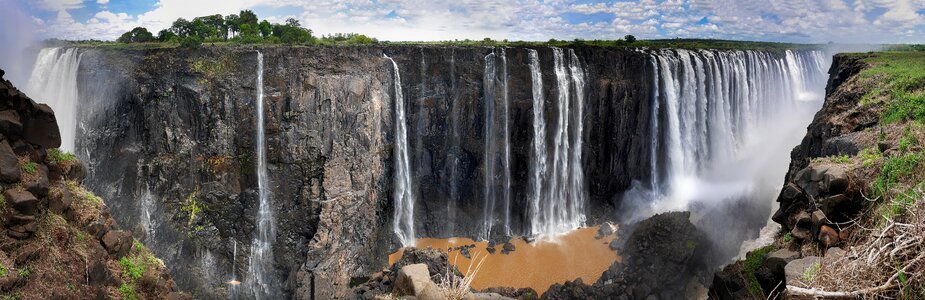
(558, 197)
(403, 216)
(54, 82)
(497, 160)
(260, 265)
(717, 113)
(488, 88)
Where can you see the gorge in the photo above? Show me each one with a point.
(327, 159)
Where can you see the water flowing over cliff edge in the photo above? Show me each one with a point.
(525, 141)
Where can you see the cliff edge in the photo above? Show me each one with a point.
(58, 240)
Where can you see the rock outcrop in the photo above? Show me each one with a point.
(59, 241)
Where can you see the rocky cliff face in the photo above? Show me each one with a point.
(58, 240)
(169, 137)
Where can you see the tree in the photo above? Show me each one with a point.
(191, 42)
(233, 23)
(248, 17)
(291, 32)
(265, 28)
(293, 22)
(181, 27)
(216, 23)
(136, 35)
(629, 38)
(165, 35)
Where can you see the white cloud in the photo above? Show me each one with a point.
(56, 5)
(101, 2)
(787, 20)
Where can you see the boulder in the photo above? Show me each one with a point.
(23, 201)
(60, 200)
(802, 228)
(835, 180)
(834, 254)
(117, 242)
(38, 181)
(9, 123)
(41, 128)
(828, 236)
(27, 253)
(728, 286)
(770, 275)
(785, 254)
(508, 247)
(414, 280)
(796, 269)
(485, 296)
(9, 164)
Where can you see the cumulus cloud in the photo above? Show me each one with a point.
(779, 20)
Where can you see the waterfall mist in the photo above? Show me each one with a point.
(54, 82)
(722, 129)
(17, 33)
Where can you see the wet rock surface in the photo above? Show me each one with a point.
(48, 247)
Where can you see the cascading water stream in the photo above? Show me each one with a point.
(497, 160)
(713, 110)
(403, 197)
(260, 265)
(558, 198)
(54, 82)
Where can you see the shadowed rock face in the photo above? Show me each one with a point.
(166, 131)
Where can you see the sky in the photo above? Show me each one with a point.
(843, 21)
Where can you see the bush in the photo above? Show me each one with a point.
(191, 42)
(30, 167)
(127, 291)
(56, 156)
(131, 269)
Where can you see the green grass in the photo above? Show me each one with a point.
(3, 270)
(127, 291)
(810, 272)
(899, 79)
(24, 272)
(131, 269)
(838, 159)
(894, 170)
(56, 156)
(788, 237)
(30, 167)
(753, 261)
(871, 155)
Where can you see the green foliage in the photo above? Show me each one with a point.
(136, 35)
(57, 156)
(24, 272)
(810, 272)
(870, 155)
(131, 269)
(907, 141)
(191, 206)
(788, 237)
(347, 39)
(191, 42)
(629, 38)
(896, 168)
(753, 261)
(3, 270)
(898, 78)
(127, 291)
(30, 167)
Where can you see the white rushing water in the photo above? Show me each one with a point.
(403, 197)
(557, 200)
(260, 264)
(54, 82)
(722, 125)
(497, 158)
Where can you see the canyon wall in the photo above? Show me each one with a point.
(169, 138)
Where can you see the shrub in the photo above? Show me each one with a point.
(753, 261)
(131, 269)
(870, 155)
(191, 42)
(57, 156)
(30, 167)
(810, 273)
(3, 270)
(128, 291)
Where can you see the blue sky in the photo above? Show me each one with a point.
(848, 21)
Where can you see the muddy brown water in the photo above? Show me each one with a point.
(537, 265)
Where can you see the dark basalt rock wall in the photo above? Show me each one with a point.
(169, 139)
